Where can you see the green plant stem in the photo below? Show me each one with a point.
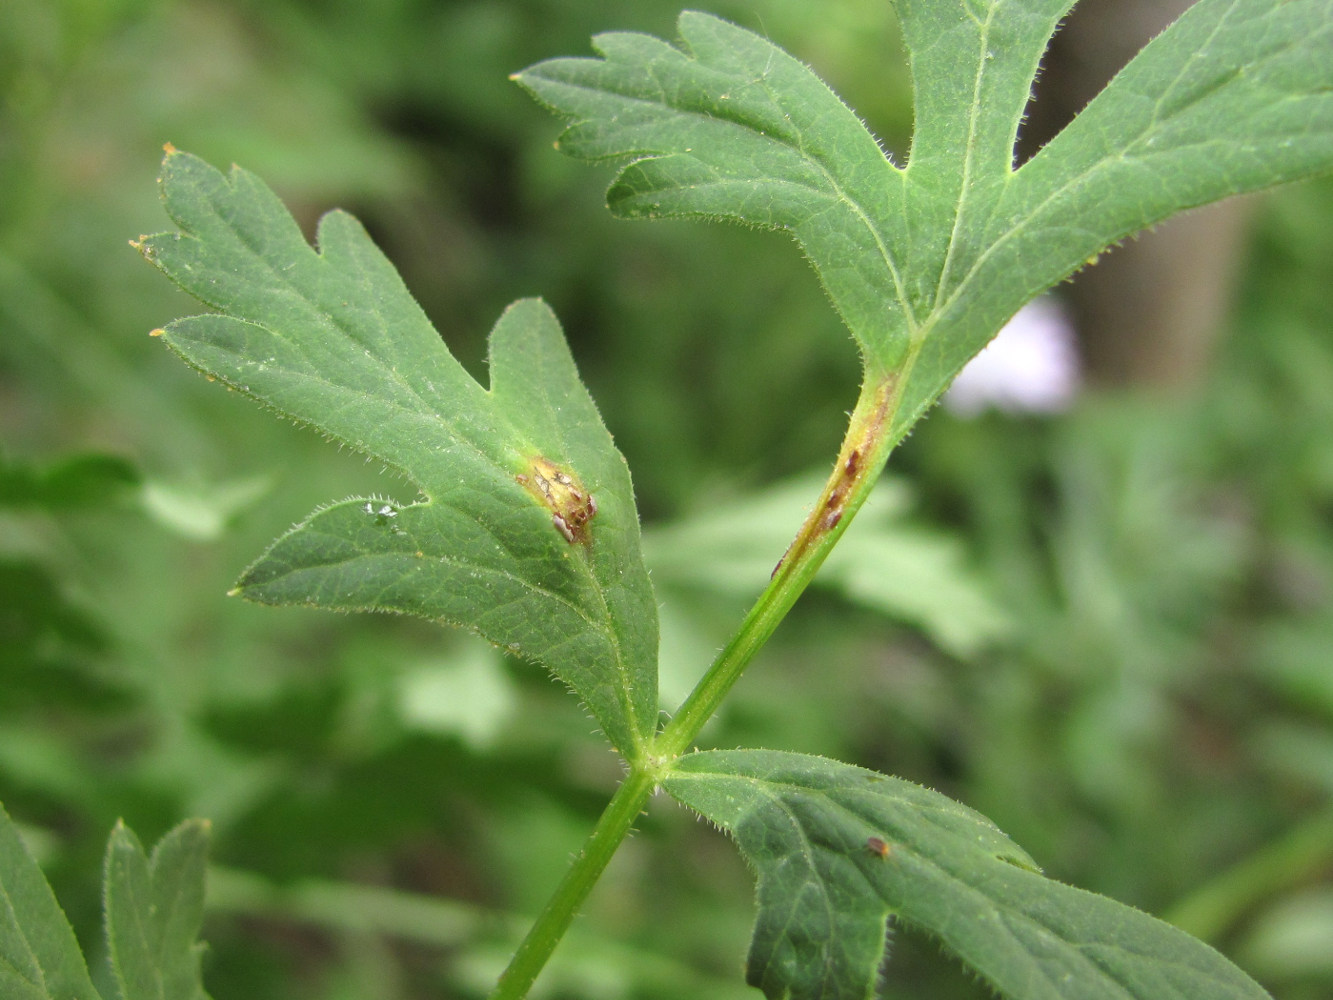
(864, 451)
(551, 924)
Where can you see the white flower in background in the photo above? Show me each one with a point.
(1030, 367)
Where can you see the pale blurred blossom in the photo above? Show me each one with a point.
(1030, 367)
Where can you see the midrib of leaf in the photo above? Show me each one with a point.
(40, 981)
(771, 791)
(969, 159)
(796, 142)
(1001, 932)
(1023, 226)
(605, 628)
(881, 247)
(1194, 58)
(885, 255)
(859, 210)
(283, 278)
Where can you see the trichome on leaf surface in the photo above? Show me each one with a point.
(523, 528)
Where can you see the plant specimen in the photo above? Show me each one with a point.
(524, 529)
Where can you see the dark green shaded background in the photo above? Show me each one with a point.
(1156, 722)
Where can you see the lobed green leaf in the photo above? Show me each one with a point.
(504, 539)
(730, 126)
(39, 956)
(838, 849)
(926, 263)
(154, 908)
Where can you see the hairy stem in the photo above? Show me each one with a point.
(864, 451)
(613, 826)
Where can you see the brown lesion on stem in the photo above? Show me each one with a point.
(862, 450)
(557, 488)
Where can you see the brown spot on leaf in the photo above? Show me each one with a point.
(558, 489)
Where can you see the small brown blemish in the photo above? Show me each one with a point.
(876, 845)
(836, 501)
(572, 507)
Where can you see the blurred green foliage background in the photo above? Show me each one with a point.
(1111, 631)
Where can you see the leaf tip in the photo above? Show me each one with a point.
(235, 591)
(157, 332)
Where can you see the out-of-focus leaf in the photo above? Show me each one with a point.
(202, 513)
(74, 481)
(467, 695)
(51, 649)
(886, 563)
(1290, 940)
(1294, 659)
(154, 908)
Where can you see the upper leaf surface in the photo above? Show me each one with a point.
(526, 531)
(39, 956)
(925, 264)
(731, 126)
(837, 849)
(154, 908)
